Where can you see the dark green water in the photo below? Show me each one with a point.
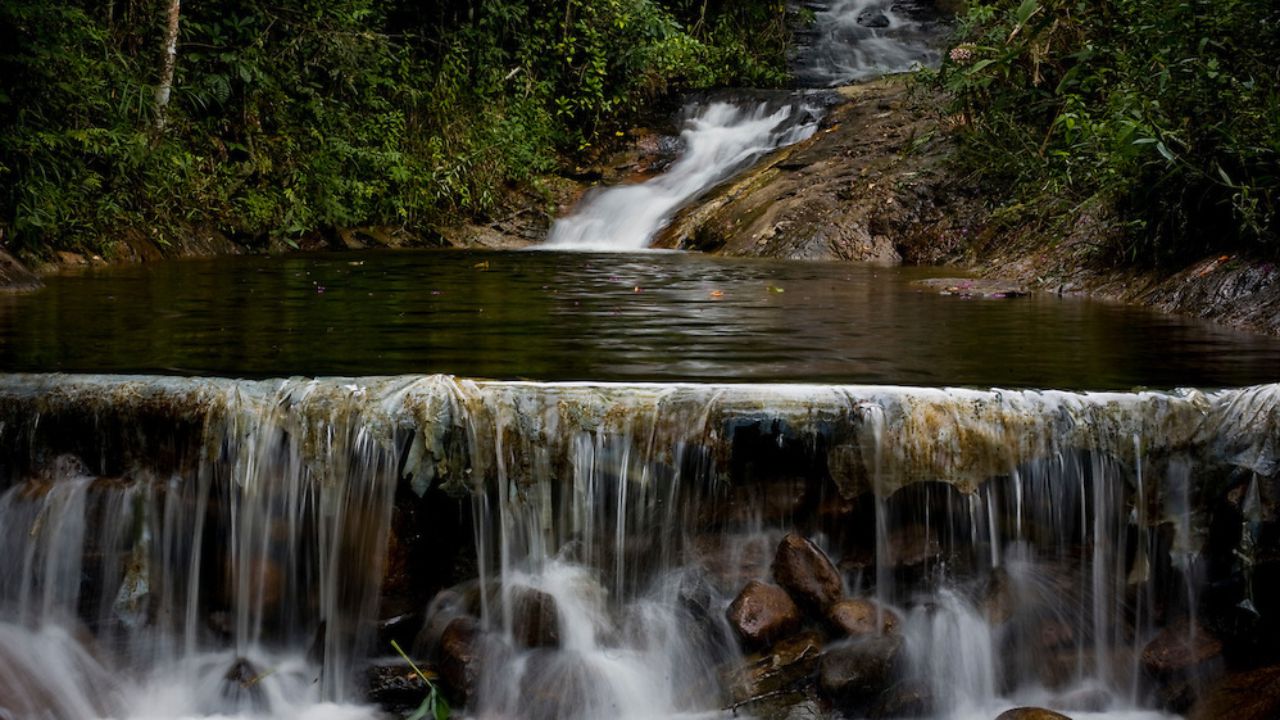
(554, 316)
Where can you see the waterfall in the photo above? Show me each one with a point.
(851, 40)
(720, 139)
(205, 547)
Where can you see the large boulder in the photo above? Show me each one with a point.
(763, 613)
(807, 573)
(856, 674)
(858, 617)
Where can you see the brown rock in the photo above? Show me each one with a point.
(1251, 695)
(1178, 662)
(459, 656)
(911, 546)
(14, 276)
(1180, 649)
(806, 572)
(910, 699)
(855, 675)
(1031, 713)
(785, 665)
(855, 618)
(535, 619)
(763, 613)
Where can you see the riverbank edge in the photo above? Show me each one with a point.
(873, 185)
(877, 184)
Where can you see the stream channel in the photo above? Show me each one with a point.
(596, 481)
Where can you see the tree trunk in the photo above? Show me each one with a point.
(170, 57)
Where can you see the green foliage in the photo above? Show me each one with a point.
(434, 706)
(1167, 109)
(290, 118)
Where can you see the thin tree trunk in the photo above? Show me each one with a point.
(170, 48)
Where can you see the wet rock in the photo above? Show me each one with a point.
(535, 618)
(912, 546)
(1031, 713)
(998, 600)
(458, 656)
(854, 675)
(1249, 695)
(873, 19)
(1180, 648)
(763, 613)
(855, 618)
(13, 275)
(909, 699)
(395, 688)
(562, 686)
(980, 288)
(1178, 662)
(786, 665)
(240, 688)
(806, 572)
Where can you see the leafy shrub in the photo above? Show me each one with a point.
(288, 118)
(1167, 109)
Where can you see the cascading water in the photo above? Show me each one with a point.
(209, 548)
(720, 139)
(852, 40)
(849, 40)
(232, 583)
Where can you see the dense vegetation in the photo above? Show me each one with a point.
(288, 118)
(1165, 111)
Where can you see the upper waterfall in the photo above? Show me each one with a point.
(720, 139)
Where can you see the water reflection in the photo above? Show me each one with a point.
(553, 316)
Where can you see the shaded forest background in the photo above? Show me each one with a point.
(291, 117)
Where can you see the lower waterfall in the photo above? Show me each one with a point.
(249, 549)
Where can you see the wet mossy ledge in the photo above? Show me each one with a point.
(407, 486)
(461, 436)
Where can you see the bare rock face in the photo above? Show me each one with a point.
(1031, 713)
(762, 614)
(859, 617)
(807, 573)
(856, 675)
